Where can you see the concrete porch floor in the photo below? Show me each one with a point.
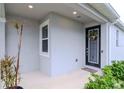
(36, 80)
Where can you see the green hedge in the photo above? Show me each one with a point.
(112, 78)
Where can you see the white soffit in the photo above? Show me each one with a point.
(106, 10)
(41, 10)
(88, 11)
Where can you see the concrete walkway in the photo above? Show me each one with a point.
(36, 80)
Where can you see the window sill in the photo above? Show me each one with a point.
(44, 54)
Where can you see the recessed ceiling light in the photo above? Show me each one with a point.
(74, 12)
(30, 6)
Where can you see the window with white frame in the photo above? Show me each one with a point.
(44, 40)
(121, 38)
(117, 38)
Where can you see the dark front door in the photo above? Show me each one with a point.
(93, 46)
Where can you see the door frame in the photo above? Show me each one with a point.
(86, 43)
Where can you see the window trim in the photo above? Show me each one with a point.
(41, 39)
(117, 38)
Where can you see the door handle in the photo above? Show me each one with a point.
(101, 51)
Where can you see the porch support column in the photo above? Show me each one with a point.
(105, 44)
(2, 32)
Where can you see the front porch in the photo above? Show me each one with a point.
(65, 30)
(65, 53)
(73, 80)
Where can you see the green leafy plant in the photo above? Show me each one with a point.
(112, 78)
(101, 82)
(8, 72)
(117, 69)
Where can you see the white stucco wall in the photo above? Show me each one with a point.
(116, 52)
(104, 44)
(2, 32)
(2, 43)
(67, 45)
(2, 39)
(2, 10)
(29, 59)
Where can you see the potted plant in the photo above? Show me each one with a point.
(8, 73)
(9, 67)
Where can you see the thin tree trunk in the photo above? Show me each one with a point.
(18, 56)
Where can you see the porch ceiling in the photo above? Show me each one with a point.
(41, 10)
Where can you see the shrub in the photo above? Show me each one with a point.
(107, 70)
(113, 77)
(118, 69)
(101, 82)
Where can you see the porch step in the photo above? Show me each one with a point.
(89, 70)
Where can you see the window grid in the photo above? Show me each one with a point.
(44, 39)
